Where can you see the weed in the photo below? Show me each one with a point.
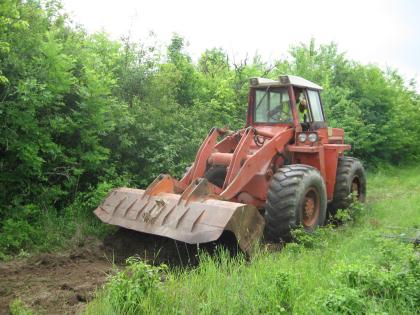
(319, 238)
(17, 307)
(128, 289)
(343, 216)
(352, 214)
(343, 300)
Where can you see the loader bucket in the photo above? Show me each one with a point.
(195, 216)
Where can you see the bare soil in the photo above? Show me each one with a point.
(59, 283)
(63, 282)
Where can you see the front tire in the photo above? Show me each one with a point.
(296, 196)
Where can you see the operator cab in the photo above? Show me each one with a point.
(291, 100)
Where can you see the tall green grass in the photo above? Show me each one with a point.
(362, 267)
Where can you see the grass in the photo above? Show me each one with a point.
(17, 307)
(353, 269)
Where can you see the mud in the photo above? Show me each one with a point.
(63, 282)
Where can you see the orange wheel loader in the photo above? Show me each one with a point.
(285, 169)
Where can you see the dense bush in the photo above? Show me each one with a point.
(78, 109)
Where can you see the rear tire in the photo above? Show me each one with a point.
(296, 196)
(350, 179)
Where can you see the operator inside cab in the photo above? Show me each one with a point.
(302, 108)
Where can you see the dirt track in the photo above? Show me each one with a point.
(62, 283)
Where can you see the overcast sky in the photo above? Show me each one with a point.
(384, 32)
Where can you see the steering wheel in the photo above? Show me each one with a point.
(281, 113)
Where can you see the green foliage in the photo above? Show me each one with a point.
(17, 307)
(394, 276)
(20, 232)
(344, 300)
(351, 214)
(336, 279)
(320, 238)
(35, 229)
(128, 289)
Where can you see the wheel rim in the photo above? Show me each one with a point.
(310, 208)
(355, 189)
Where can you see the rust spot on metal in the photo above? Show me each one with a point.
(311, 208)
(147, 216)
(160, 202)
(161, 205)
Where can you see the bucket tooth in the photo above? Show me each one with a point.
(197, 220)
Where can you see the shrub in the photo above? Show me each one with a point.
(318, 238)
(17, 307)
(128, 289)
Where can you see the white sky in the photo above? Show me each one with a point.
(384, 32)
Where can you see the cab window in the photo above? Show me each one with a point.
(315, 104)
(272, 106)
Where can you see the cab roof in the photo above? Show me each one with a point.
(284, 80)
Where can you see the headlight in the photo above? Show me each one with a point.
(313, 137)
(302, 137)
